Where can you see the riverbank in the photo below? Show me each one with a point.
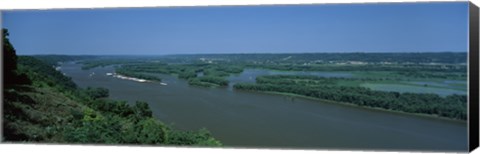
(231, 116)
(124, 77)
(129, 78)
(358, 106)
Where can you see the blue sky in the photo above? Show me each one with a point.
(394, 27)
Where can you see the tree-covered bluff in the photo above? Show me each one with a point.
(42, 105)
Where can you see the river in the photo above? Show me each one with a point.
(258, 120)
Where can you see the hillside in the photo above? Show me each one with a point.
(41, 105)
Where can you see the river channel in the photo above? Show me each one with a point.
(259, 120)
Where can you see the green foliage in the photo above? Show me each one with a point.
(90, 115)
(95, 93)
(54, 60)
(10, 75)
(150, 131)
(202, 137)
(453, 106)
(215, 80)
(208, 81)
(107, 61)
(9, 59)
(120, 123)
(54, 110)
(142, 110)
(37, 114)
(197, 82)
(214, 72)
(100, 130)
(187, 74)
(328, 58)
(214, 75)
(44, 75)
(433, 75)
(130, 73)
(120, 108)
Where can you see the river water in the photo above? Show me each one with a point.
(258, 120)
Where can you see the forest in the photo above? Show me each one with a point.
(442, 65)
(197, 74)
(326, 58)
(129, 73)
(452, 106)
(42, 105)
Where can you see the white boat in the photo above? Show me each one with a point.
(109, 74)
(163, 83)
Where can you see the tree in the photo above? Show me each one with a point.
(11, 77)
(151, 131)
(96, 93)
(9, 59)
(142, 110)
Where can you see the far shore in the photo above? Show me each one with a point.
(363, 107)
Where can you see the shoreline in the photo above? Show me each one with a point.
(119, 76)
(363, 107)
(355, 74)
(124, 77)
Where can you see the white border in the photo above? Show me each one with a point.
(82, 149)
(76, 4)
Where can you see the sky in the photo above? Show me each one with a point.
(387, 27)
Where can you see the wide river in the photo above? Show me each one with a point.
(249, 119)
